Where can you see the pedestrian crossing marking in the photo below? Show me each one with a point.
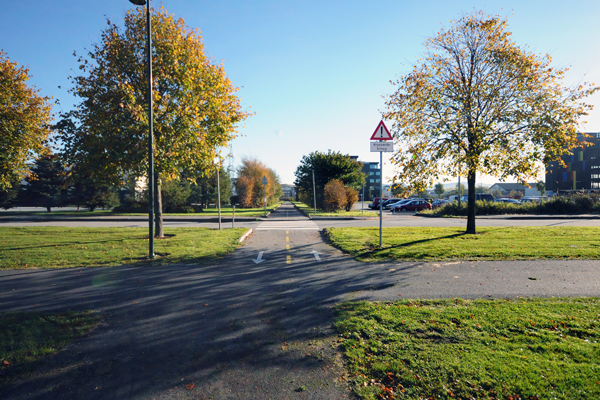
(287, 226)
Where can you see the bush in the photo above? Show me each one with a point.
(578, 204)
(180, 210)
(134, 208)
(335, 195)
(351, 197)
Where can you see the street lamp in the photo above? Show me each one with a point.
(150, 127)
(218, 166)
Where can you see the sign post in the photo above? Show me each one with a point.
(264, 183)
(382, 135)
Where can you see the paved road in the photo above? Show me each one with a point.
(244, 328)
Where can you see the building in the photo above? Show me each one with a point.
(582, 171)
(373, 181)
(288, 190)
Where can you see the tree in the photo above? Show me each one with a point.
(439, 189)
(9, 196)
(351, 197)
(541, 187)
(90, 194)
(24, 119)
(46, 184)
(195, 107)
(205, 190)
(479, 101)
(327, 166)
(251, 191)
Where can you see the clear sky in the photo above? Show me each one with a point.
(313, 71)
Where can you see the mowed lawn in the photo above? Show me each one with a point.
(490, 243)
(62, 247)
(481, 349)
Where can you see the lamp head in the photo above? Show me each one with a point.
(138, 2)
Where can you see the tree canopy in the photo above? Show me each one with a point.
(327, 166)
(195, 106)
(250, 190)
(478, 103)
(24, 122)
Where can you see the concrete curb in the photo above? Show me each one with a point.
(517, 216)
(245, 235)
(317, 218)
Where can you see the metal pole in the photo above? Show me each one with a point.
(219, 196)
(233, 220)
(150, 135)
(459, 188)
(380, 197)
(363, 201)
(314, 192)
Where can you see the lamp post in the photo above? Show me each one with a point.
(150, 127)
(219, 189)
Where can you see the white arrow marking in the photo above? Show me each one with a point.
(316, 255)
(259, 259)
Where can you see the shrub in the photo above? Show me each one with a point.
(335, 195)
(180, 210)
(351, 197)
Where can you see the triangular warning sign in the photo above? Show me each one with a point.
(381, 133)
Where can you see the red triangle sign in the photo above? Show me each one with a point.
(381, 133)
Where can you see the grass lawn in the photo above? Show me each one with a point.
(490, 243)
(63, 247)
(27, 337)
(309, 210)
(226, 211)
(443, 349)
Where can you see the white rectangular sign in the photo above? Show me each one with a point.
(386, 147)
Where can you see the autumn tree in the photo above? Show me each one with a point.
(327, 166)
(479, 103)
(351, 197)
(195, 106)
(250, 190)
(24, 122)
(334, 195)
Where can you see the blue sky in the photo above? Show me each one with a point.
(313, 71)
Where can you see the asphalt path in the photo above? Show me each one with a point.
(256, 325)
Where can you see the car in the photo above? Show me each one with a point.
(439, 203)
(416, 205)
(397, 206)
(531, 199)
(479, 197)
(375, 204)
(389, 203)
(504, 200)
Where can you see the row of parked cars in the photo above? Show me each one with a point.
(396, 205)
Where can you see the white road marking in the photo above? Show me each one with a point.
(316, 255)
(287, 226)
(259, 259)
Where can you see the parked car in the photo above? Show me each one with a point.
(511, 201)
(416, 205)
(531, 199)
(439, 203)
(479, 196)
(397, 206)
(375, 204)
(389, 203)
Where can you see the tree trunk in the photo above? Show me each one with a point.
(158, 215)
(471, 203)
(49, 209)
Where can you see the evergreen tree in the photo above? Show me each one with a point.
(46, 184)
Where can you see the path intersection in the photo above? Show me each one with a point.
(257, 325)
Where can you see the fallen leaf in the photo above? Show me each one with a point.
(190, 386)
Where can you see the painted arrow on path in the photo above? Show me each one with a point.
(316, 255)
(259, 259)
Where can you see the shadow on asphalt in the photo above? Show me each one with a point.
(234, 330)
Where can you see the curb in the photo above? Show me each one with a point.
(245, 235)
(515, 216)
(317, 218)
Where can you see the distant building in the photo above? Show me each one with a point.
(373, 182)
(288, 190)
(582, 171)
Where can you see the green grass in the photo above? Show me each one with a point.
(28, 337)
(308, 210)
(62, 247)
(443, 349)
(226, 211)
(490, 243)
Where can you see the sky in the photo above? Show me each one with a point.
(315, 73)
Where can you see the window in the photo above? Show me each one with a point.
(373, 166)
(372, 180)
(595, 166)
(378, 180)
(595, 185)
(378, 173)
(372, 187)
(371, 173)
(595, 176)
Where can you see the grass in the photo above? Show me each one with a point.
(28, 337)
(307, 210)
(63, 247)
(491, 243)
(226, 211)
(502, 349)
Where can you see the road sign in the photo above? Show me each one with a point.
(264, 180)
(386, 147)
(381, 133)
